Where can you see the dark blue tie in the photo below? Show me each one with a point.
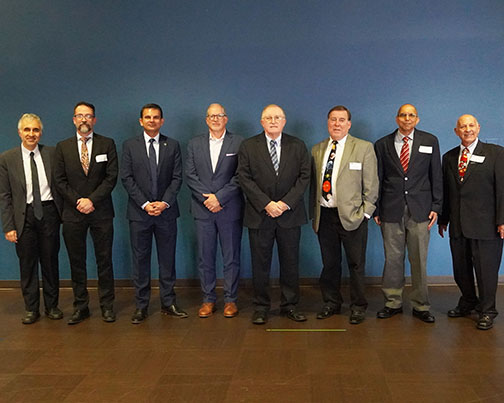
(153, 170)
(37, 200)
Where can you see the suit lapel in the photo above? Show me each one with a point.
(228, 139)
(263, 148)
(205, 149)
(163, 149)
(414, 148)
(285, 152)
(392, 152)
(470, 167)
(47, 164)
(347, 152)
(19, 167)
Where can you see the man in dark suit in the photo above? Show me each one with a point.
(217, 207)
(30, 217)
(274, 171)
(151, 172)
(343, 190)
(85, 174)
(473, 205)
(410, 198)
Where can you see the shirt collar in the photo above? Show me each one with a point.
(340, 142)
(278, 139)
(27, 152)
(89, 136)
(471, 146)
(212, 138)
(147, 138)
(400, 136)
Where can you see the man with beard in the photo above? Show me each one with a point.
(85, 174)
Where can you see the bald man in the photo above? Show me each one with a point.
(217, 208)
(410, 199)
(473, 207)
(274, 172)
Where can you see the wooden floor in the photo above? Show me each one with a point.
(230, 360)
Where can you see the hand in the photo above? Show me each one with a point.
(11, 236)
(159, 207)
(441, 229)
(273, 209)
(500, 230)
(85, 206)
(151, 209)
(377, 220)
(284, 207)
(212, 203)
(432, 218)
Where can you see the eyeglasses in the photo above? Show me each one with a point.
(81, 116)
(272, 118)
(216, 117)
(405, 115)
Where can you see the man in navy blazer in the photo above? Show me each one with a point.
(30, 207)
(473, 205)
(151, 172)
(409, 201)
(217, 208)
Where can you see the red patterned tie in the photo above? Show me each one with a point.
(404, 157)
(462, 167)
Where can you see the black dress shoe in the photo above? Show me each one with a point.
(357, 317)
(54, 313)
(387, 312)
(294, 315)
(485, 322)
(259, 317)
(108, 315)
(327, 312)
(174, 310)
(457, 312)
(78, 316)
(30, 317)
(425, 316)
(139, 316)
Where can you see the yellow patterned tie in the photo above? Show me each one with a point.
(84, 155)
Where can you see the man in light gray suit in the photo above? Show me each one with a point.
(30, 217)
(343, 190)
(217, 207)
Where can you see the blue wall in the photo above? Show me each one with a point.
(446, 57)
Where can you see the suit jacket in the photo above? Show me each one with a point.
(261, 185)
(136, 178)
(13, 186)
(73, 184)
(356, 182)
(421, 187)
(475, 207)
(223, 182)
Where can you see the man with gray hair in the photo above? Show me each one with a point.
(30, 209)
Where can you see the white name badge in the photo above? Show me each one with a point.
(425, 149)
(477, 158)
(355, 166)
(101, 158)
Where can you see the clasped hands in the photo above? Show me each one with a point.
(155, 208)
(276, 209)
(85, 205)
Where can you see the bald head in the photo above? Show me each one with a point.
(467, 129)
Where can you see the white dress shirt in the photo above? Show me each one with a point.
(215, 148)
(45, 190)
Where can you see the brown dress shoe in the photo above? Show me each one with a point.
(206, 310)
(230, 310)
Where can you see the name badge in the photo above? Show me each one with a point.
(101, 158)
(477, 158)
(425, 149)
(355, 166)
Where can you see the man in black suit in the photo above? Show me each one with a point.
(85, 174)
(473, 206)
(30, 217)
(409, 201)
(274, 171)
(151, 172)
(217, 207)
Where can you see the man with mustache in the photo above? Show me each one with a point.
(85, 174)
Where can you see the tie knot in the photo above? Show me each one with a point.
(84, 139)
(273, 143)
(465, 151)
(152, 141)
(405, 139)
(32, 154)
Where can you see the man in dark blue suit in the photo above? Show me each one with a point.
(217, 205)
(151, 172)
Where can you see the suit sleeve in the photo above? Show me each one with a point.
(444, 217)
(60, 178)
(6, 205)
(499, 186)
(255, 195)
(370, 181)
(104, 189)
(296, 193)
(379, 166)
(313, 186)
(193, 181)
(170, 194)
(436, 179)
(128, 178)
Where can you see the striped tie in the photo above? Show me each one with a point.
(274, 155)
(404, 157)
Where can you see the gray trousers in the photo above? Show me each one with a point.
(397, 237)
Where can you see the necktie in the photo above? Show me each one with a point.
(37, 201)
(462, 167)
(153, 170)
(327, 182)
(84, 155)
(274, 155)
(404, 157)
